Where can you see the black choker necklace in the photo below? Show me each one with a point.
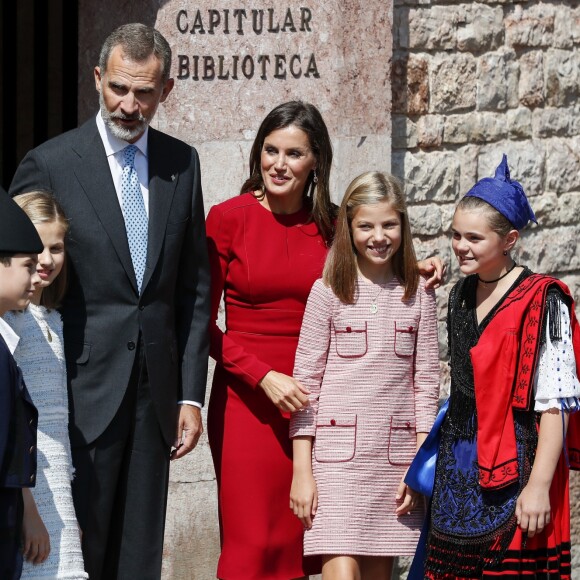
(486, 282)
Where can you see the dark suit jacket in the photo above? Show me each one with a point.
(103, 313)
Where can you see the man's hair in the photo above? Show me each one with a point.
(138, 42)
(6, 258)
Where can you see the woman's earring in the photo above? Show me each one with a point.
(505, 252)
(315, 178)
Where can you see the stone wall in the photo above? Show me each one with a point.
(473, 80)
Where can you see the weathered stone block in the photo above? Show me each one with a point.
(453, 83)
(497, 81)
(480, 28)
(432, 28)
(551, 250)
(519, 123)
(557, 210)
(531, 86)
(404, 132)
(430, 131)
(425, 220)
(430, 176)
(447, 212)
(526, 160)
(552, 122)
(475, 128)
(439, 246)
(468, 157)
(458, 128)
(562, 76)
(545, 208)
(575, 18)
(563, 27)
(563, 165)
(410, 82)
(530, 26)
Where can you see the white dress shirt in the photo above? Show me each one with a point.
(10, 337)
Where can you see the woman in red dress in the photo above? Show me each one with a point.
(267, 247)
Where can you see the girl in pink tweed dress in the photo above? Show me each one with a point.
(368, 354)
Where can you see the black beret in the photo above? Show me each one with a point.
(17, 233)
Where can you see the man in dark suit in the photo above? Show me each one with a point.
(136, 314)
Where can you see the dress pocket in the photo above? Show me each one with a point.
(351, 341)
(402, 441)
(335, 438)
(405, 337)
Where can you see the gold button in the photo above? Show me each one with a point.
(32, 448)
(32, 478)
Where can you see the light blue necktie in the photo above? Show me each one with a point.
(134, 214)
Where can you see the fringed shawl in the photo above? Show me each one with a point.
(504, 364)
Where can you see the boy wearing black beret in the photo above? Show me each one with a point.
(19, 249)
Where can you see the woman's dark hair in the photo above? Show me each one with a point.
(306, 117)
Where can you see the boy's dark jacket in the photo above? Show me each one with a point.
(18, 422)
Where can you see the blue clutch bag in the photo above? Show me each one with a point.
(421, 473)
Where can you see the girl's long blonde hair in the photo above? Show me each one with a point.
(42, 207)
(340, 269)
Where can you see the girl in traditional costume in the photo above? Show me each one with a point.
(368, 354)
(500, 503)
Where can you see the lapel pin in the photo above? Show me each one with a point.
(173, 177)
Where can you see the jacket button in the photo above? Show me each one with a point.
(333, 422)
(408, 425)
(141, 307)
(32, 448)
(32, 478)
(31, 422)
(348, 329)
(131, 345)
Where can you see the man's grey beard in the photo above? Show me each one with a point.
(124, 133)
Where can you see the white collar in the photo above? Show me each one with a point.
(114, 144)
(10, 337)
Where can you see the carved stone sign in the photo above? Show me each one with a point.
(245, 22)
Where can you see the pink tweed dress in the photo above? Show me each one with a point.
(372, 369)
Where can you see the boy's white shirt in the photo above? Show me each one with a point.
(10, 337)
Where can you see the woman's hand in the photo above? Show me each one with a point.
(409, 498)
(533, 509)
(304, 498)
(285, 392)
(35, 538)
(433, 269)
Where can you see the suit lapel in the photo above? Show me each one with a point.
(162, 183)
(94, 175)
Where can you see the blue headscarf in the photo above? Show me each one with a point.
(505, 195)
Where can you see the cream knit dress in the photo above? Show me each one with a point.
(373, 372)
(40, 356)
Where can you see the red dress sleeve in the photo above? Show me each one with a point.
(243, 365)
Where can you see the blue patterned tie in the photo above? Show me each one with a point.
(134, 214)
